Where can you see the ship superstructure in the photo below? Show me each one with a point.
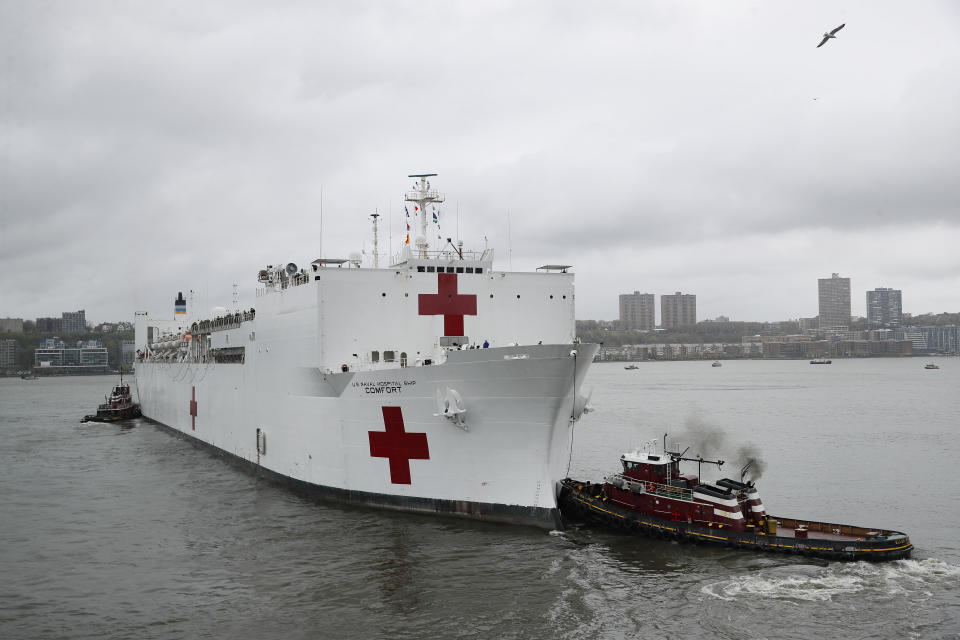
(435, 384)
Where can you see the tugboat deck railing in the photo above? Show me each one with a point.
(655, 488)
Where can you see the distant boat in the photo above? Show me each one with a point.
(631, 367)
(716, 363)
(931, 366)
(28, 376)
(821, 361)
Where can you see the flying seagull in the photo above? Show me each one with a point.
(832, 34)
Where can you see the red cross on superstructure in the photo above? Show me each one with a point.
(448, 303)
(193, 408)
(398, 446)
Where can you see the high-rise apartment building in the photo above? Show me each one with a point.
(636, 311)
(13, 325)
(834, 293)
(884, 307)
(678, 310)
(8, 353)
(48, 325)
(74, 321)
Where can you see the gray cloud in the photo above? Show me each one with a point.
(146, 149)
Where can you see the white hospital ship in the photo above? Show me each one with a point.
(437, 384)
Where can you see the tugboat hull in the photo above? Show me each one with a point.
(583, 501)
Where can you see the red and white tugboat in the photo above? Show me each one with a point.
(649, 496)
(118, 406)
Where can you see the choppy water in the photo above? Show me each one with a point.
(124, 531)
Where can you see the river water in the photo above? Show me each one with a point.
(124, 531)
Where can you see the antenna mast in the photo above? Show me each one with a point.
(423, 195)
(375, 216)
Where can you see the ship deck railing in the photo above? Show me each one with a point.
(655, 488)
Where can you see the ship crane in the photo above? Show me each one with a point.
(423, 195)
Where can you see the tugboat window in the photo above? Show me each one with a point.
(431, 269)
(479, 269)
(375, 356)
(420, 269)
(389, 356)
(403, 358)
(450, 269)
(459, 269)
(469, 269)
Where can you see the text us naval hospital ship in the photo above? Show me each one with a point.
(354, 383)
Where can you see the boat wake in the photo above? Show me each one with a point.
(913, 578)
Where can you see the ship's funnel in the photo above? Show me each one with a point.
(179, 306)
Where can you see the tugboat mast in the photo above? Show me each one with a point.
(423, 195)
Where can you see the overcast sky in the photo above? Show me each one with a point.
(703, 147)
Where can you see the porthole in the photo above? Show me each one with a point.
(383, 295)
(518, 296)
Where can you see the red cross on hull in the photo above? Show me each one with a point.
(193, 408)
(448, 303)
(398, 446)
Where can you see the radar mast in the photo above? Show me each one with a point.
(423, 195)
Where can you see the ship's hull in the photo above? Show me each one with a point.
(380, 437)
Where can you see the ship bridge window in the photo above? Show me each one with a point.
(420, 269)
(469, 269)
(431, 269)
(389, 356)
(374, 356)
(459, 269)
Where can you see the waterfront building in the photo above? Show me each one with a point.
(8, 353)
(11, 325)
(942, 339)
(74, 321)
(678, 310)
(917, 337)
(88, 356)
(834, 295)
(806, 325)
(636, 311)
(884, 307)
(49, 325)
(127, 351)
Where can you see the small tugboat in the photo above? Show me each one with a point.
(821, 361)
(28, 376)
(931, 366)
(650, 497)
(716, 363)
(631, 367)
(118, 406)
